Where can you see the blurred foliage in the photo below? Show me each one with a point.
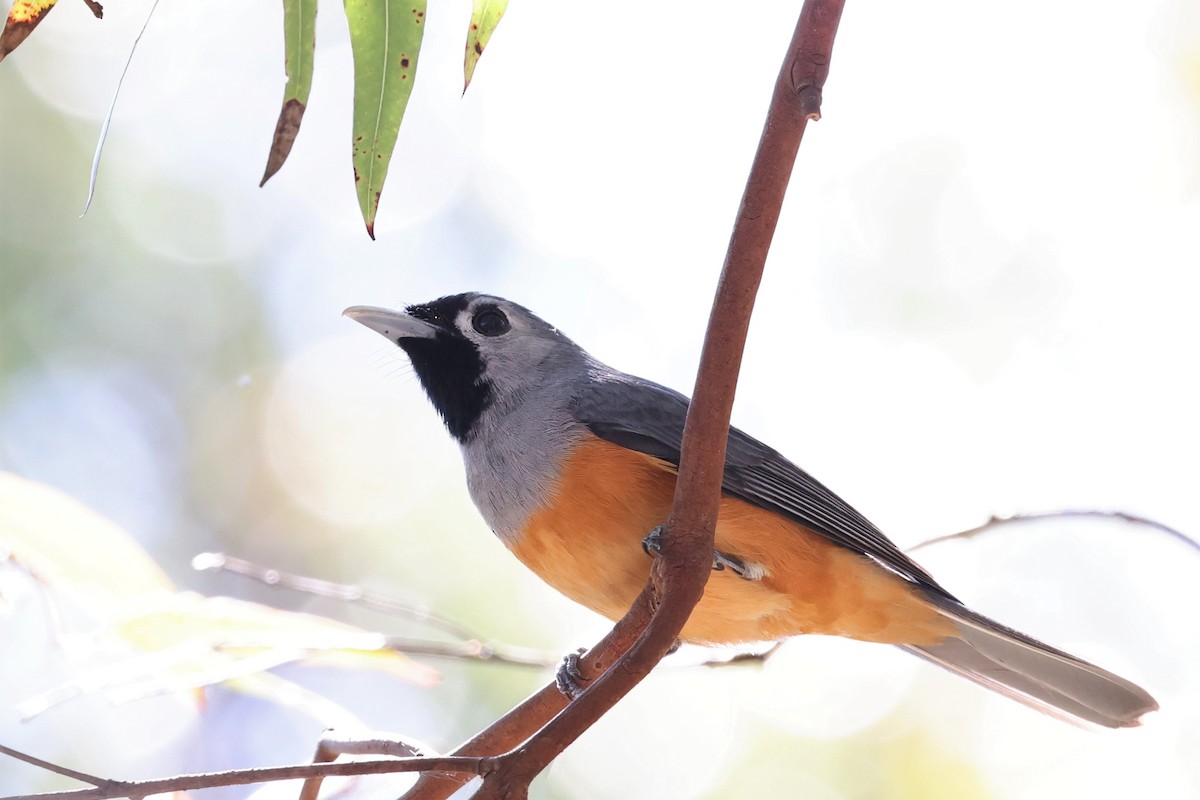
(157, 639)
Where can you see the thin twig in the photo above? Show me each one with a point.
(997, 521)
(473, 650)
(50, 602)
(356, 595)
(472, 647)
(112, 107)
(46, 765)
(335, 743)
(109, 789)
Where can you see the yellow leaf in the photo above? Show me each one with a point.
(29, 10)
(237, 629)
(24, 16)
(165, 640)
(186, 641)
(72, 549)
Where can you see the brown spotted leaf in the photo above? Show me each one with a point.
(484, 18)
(299, 43)
(23, 17)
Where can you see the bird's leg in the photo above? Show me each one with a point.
(721, 562)
(568, 676)
(652, 544)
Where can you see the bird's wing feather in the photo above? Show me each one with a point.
(649, 418)
(641, 415)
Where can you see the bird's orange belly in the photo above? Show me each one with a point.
(587, 544)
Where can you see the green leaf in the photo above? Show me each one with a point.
(385, 37)
(299, 42)
(484, 19)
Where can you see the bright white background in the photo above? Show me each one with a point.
(981, 300)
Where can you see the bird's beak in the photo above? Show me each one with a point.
(395, 325)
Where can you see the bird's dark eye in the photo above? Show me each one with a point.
(490, 321)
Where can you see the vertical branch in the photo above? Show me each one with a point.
(796, 99)
(680, 574)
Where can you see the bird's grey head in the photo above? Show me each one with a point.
(473, 352)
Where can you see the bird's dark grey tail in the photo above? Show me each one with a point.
(1033, 673)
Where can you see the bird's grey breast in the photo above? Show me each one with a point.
(514, 460)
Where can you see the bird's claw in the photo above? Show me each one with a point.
(568, 676)
(652, 544)
(722, 561)
(737, 566)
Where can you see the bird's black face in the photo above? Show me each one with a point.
(450, 365)
(473, 353)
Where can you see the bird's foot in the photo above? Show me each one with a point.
(652, 544)
(568, 677)
(743, 569)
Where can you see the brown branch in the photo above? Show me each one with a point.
(679, 575)
(334, 743)
(109, 789)
(526, 719)
(1039, 516)
(83, 777)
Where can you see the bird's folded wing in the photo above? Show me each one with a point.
(641, 415)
